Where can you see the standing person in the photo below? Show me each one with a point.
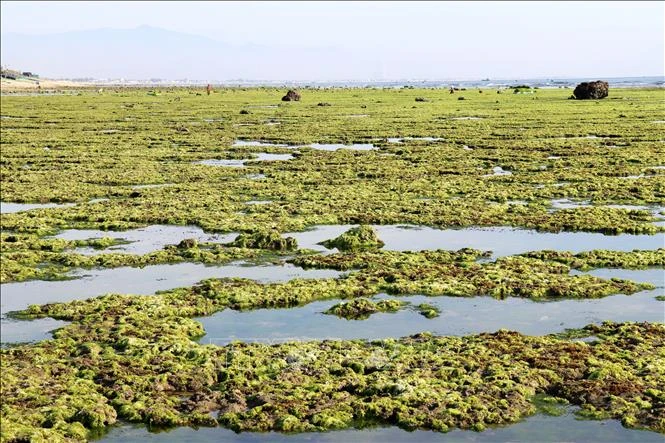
(209, 88)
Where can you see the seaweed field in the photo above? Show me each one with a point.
(364, 263)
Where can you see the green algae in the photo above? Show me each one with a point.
(132, 357)
(428, 311)
(26, 258)
(431, 273)
(361, 237)
(92, 141)
(162, 378)
(362, 308)
(270, 240)
(635, 259)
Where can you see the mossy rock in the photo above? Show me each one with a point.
(361, 237)
(428, 311)
(271, 240)
(362, 308)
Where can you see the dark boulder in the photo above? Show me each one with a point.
(591, 90)
(291, 96)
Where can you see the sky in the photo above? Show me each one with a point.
(426, 40)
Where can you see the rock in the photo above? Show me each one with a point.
(188, 243)
(362, 237)
(460, 98)
(323, 104)
(271, 240)
(421, 99)
(591, 90)
(291, 96)
(244, 112)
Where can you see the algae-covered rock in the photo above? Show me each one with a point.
(188, 243)
(271, 240)
(362, 308)
(427, 310)
(361, 237)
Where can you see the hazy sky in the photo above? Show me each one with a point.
(470, 39)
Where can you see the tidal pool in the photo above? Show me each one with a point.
(498, 171)
(24, 331)
(232, 163)
(239, 143)
(10, 208)
(235, 163)
(459, 316)
(502, 241)
(143, 240)
(537, 428)
(402, 139)
(337, 146)
(148, 280)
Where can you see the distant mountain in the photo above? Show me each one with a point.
(148, 52)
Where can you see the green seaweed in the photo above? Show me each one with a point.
(361, 237)
(362, 308)
(428, 311)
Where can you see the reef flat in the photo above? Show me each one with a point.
(240, 179)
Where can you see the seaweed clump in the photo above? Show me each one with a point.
(271, 240)
(428, 311)
(361, 237)
(362, 308)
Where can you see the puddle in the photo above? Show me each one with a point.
(212, 120)
(357, 115)
(239, 143)
(255, 176)
(337, 146)
(459, 316)
(402, 139)
(224, 162)
(148, 280)
(634, 177)
(258, 202)
(160, 185)
(143, 240)
(235, 163)
(568, 204)
(10, 208)
(498, 170)
(24, 331)
(264, 156)
(536, 428)
(502, 241)
(467, 118)
(553, 157)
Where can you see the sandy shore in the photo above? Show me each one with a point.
(7, 85)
